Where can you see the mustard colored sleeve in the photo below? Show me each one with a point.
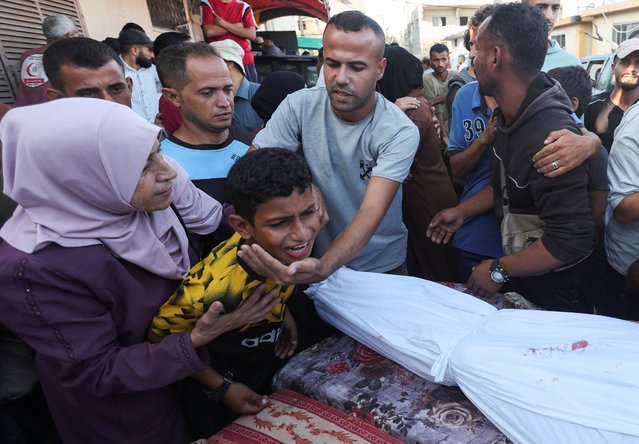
(218, 277)
(185, 306)
(208, 281)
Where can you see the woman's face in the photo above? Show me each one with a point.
(154, 188)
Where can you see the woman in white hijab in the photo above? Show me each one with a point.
(89, 255)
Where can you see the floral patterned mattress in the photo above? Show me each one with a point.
(350, 377)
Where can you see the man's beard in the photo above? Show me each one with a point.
(143, 62)
(484, 87)
(628, 86)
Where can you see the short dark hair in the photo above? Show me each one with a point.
(576, 82)
(82, 52)
(273, 90)
(171, 63)
(480, 14)
(403, 73)
(477, 19)
(438, 47)
(263, 174)
(356, 21)
(113, 43)
(267, 37)
(425, 61)
(523, 31)
(167, 39)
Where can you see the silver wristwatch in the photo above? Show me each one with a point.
(497, 273)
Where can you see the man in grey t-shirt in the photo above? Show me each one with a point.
(622, 226)
(359, 148)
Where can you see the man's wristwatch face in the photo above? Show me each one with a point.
(497, 274)
(497, 277)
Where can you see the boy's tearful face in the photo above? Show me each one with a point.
(286, 227)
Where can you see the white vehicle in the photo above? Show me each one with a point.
(599, 68)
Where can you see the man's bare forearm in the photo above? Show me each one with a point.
(213, 30)
(463, 162)
(477, 204)
(239, 30)
(357, 233)
(532, 261)
(628, 209)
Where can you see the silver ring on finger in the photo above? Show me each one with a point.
(555, 165)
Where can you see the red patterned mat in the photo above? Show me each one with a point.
(294, 418)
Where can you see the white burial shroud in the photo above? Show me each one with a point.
(539, 376)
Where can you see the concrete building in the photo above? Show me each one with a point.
(597, 30)
(104, 18)
(441, 22)
(418, 24)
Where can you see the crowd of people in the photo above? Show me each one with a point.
(559, 171)
(165, 211)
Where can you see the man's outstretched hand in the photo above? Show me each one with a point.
(444, 225)
(306, 271)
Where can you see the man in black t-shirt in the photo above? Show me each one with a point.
(605, 110)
